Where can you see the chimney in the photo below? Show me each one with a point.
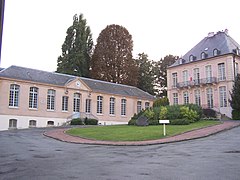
(210, 34)
(226, 31)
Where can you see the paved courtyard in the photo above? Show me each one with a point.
(27, 154)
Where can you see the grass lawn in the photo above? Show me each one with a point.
(135, 133)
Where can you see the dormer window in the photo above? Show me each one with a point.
(216, 52)
(203, 55)
(191, 58)
(180, 61)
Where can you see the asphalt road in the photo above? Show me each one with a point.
(27, 154)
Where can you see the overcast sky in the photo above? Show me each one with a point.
(34, 30)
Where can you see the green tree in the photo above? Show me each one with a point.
(161, 73)
(145, 73)
(235, 99)
(76, 49)
(112, 58)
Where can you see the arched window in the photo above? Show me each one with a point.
(215, 52)
(191, 58)
(12, 124)
(32, 123)
(123, 107)
(203, 55)
(50, 123)
(112, 106)
(99, 104)
(14, 95)
(33, 97)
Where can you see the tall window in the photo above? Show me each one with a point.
(197, 97)
(174, 78)
(139, 106)
(196, 76)
(208, 70)
(88, 106)
(76, 102)
(221, 72)
(185, 97)
(175, 98)
(14, 95)
(123, 107)
(209, 97)
(65, 103)
(33, 97)
(99, 104)
(51, 99)
(236, 69)
(147, 105)
(223, 96)
(12, 123)
(185, 77)
(112, 106)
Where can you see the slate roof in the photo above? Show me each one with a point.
(28, 74)
(1, 68)
(220, 41)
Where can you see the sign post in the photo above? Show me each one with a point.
(164, 127)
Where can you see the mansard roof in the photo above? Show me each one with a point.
(52, 78)
(220, 42)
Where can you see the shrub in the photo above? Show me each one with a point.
(196, 108)
(90, 121)
(132, 122)
(153, 122)
(235, 114)
(173, 112)
(179, 122)
(209, 113)
(76, 121)
(149, 113)
(161, 102)
(163, 112)
(189, 114)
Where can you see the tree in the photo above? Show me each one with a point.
(235, 99)
(76, 49)
(145, 73)
(112, 58)
(161, 73)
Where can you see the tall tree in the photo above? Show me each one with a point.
(112, 58)
(76, 49)
(235, 99)
(145, 73)
(161, 73)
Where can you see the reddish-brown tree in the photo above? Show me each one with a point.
(112, 58)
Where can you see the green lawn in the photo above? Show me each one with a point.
(135, 133)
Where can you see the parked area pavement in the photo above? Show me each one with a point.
(60, 134)
(28, 155)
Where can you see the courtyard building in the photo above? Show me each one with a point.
(205, 74)
(35, 98)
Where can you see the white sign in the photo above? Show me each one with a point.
(164, 121)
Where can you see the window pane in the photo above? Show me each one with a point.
(99, 104)
(123, 107)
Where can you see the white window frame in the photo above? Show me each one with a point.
(33, 98)
(208, 70)
(175, 98)
(185, 77)
(174, 79)
(112, 106)
(185, 97)
(123, 107)
(32, 123)
(139, 106)
(196, 76)
(223, 96)
(147, 105)
(221, 72)
(209, 92)
(99, 104)
(76, 102)
(12, 124)
(197, 97)
(88, 106)
(14, 95)
(51, 99)
(65, 103)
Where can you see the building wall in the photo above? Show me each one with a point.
(228, 82)
(23, 113)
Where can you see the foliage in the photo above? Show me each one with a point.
(145, 73)
(196, 108)
(153, 122)
(76, 121)
(161, 102)
(179, 122)
(235, 98)
(189, 114)
(174, 112)
(132, 122)
(235, 114)
(209, 113)
(161, 73)
(76, 49)
(112, 58)
(149, 113)
(163, 112)
(90, 121)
